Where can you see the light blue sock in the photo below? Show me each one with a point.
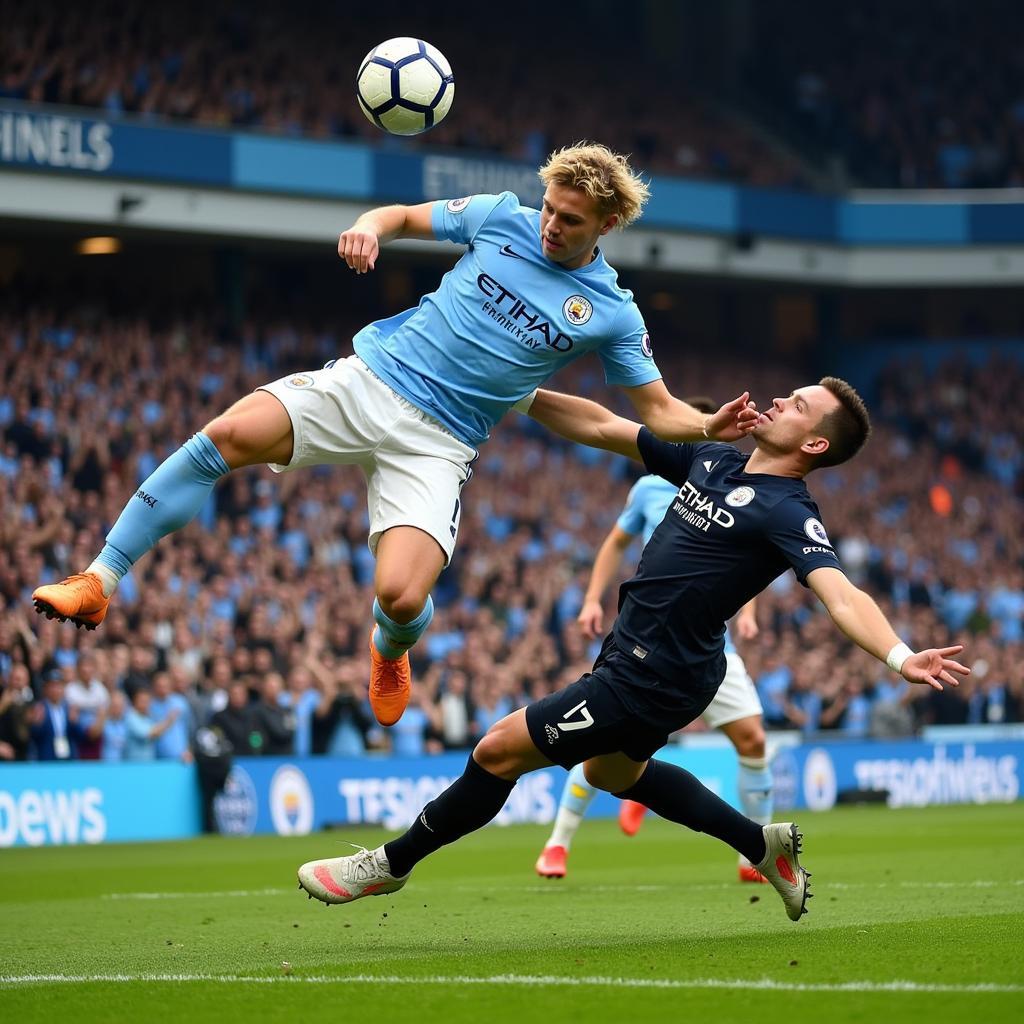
(756, 789)
(167, 499)
(393, 639)
(578, 793)
(576, 797)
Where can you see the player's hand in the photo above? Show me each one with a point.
(746, 626)
(359, 248)
(934, 667)
(591, 620)
(734, 420)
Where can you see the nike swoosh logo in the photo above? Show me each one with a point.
(506, 250)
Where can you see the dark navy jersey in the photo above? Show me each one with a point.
(726, 535)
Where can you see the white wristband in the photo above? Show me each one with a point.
(899, 654)
(524, 403)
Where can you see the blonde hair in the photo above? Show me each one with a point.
(603, 175)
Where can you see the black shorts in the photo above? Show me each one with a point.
(617, 708)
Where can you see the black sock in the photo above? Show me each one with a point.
(675, 794)
(467, 804)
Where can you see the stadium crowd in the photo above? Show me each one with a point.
(264, 66)
(904, 95)
(255, 619)
(907, 95)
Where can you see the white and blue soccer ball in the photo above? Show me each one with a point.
(405, 86)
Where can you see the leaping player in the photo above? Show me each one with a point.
(424, 388)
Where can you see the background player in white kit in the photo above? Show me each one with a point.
(736, 709)
(531, 293)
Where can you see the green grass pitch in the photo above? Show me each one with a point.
(918, 916)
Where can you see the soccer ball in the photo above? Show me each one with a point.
(405, 86)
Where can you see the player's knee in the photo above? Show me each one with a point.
(598, 777)
(492, 753)
(750, 741)
(400, 599)
(228, 439)
(221, 433)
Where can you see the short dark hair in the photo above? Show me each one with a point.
(702, 403)
(847, 428)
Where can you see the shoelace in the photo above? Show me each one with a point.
(363, 865)
(390, 675)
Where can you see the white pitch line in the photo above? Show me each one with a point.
(522, 980)
(227, 893)
(579, 889)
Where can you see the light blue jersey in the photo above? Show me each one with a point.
(646, 504)
(502, 321)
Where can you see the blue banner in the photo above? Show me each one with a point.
(55, 139)
(294, 797)
(906, 774)
(92, 802)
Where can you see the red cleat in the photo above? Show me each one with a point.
(551, 862)
(631, 814)
(748, 873)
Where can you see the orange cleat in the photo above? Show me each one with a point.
(748, 873)
(631, 814)
(390, 682)
(551, 862)
(78, 599)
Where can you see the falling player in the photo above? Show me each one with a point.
(736, 709)
(739, 522)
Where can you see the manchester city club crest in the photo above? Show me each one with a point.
(739, 497)
(458, 205)
(298, 381)
(646, 347)
(577, 310)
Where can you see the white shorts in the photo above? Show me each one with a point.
(415, 468)
(736, 698)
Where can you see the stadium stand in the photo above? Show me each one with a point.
(261, 604)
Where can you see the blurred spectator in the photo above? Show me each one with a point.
(301, 699)
(341, 723)
(456, 724)
(87, 695)
(410, 735)
(54, 725)
(174, 743)
(276, 722)
(115, 728)
(143, 729)
(15, 699)
(239, 722)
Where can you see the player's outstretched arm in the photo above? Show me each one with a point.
(585, 422)
(857, 615)
(359, 246)
(606, 564)
(673, 420)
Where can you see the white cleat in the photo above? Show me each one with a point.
(344, 879)
(781, 867)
